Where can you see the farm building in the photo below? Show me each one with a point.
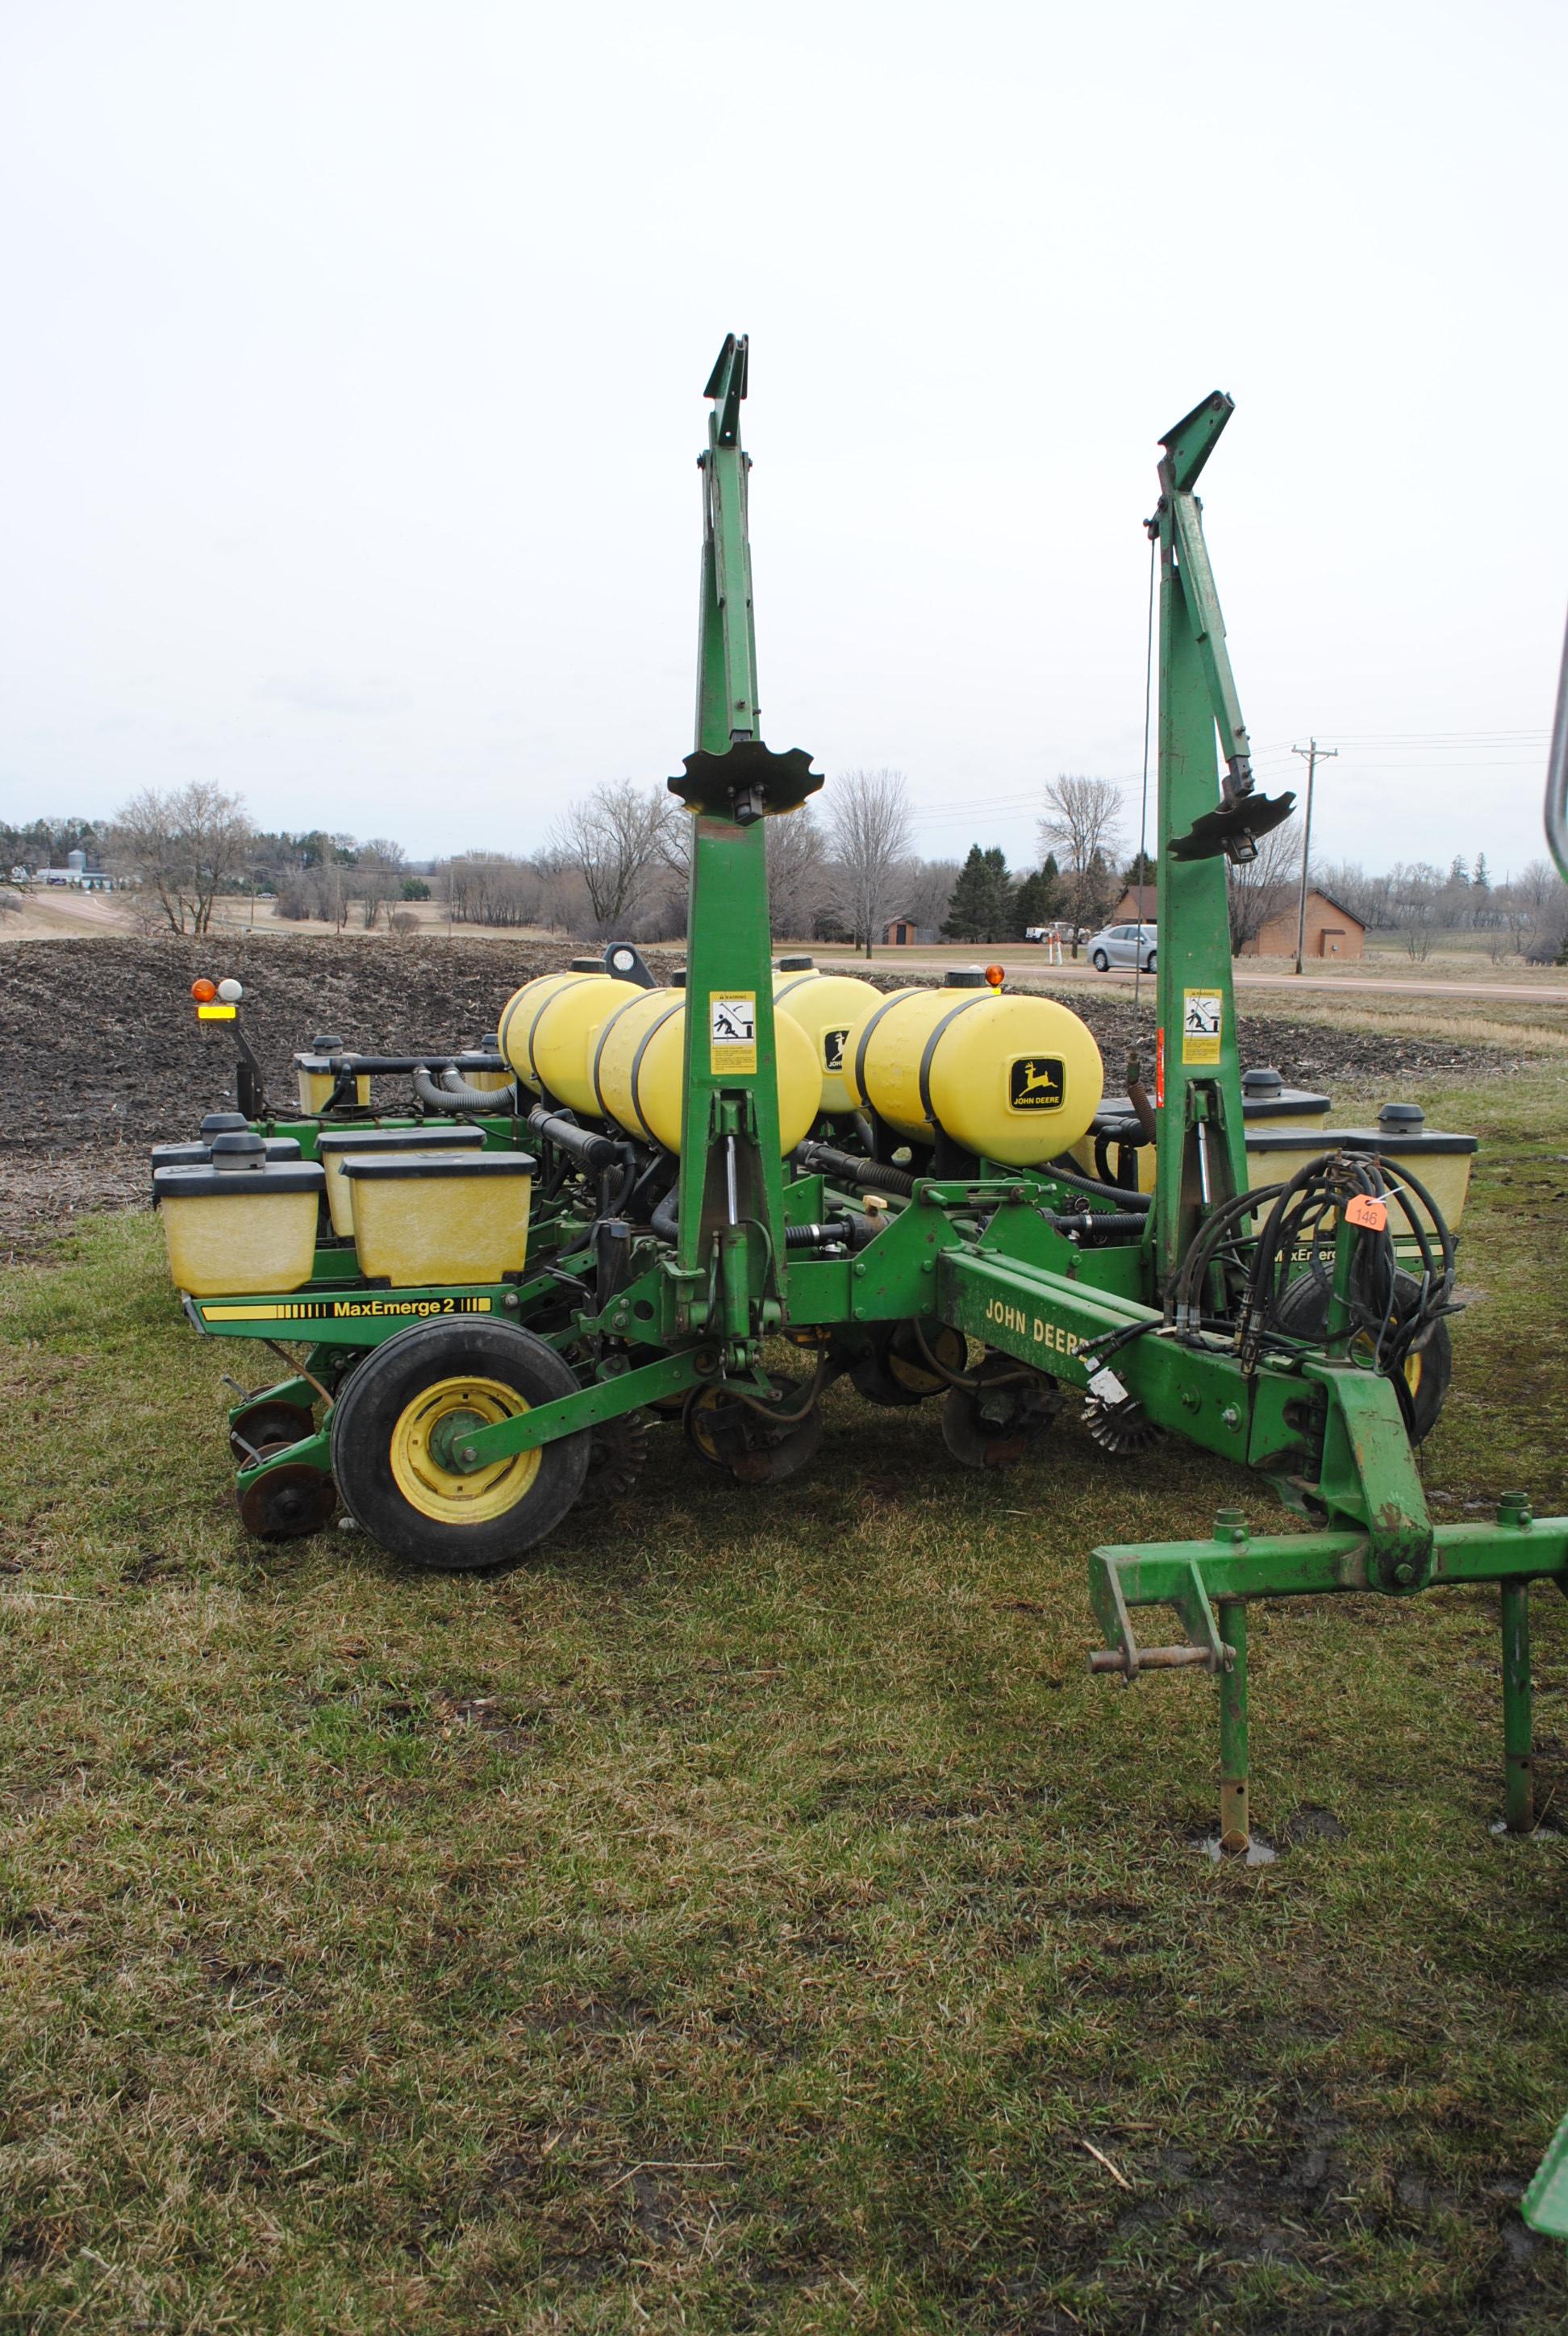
(1332, 930)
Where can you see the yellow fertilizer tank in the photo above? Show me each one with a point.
(1013, 1079)
(827, 1006)
(638, 1063)
(548, 1030)
(241, 1223)
(435, 1218)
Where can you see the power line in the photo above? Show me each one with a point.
(1314, 754)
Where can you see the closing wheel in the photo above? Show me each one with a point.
(739, 1438)
(287, 1502)
(396, 1430)
(997, 1421)
(266, 1422)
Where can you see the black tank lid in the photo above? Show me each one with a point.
(224, 1122)
(238, 1151)
(965, 977)
(200, 1183)
(795, 965)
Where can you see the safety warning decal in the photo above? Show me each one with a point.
(1203, 1025)
(732, 1032)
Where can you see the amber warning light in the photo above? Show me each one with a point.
(215, 1000)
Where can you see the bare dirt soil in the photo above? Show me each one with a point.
(102, 1056)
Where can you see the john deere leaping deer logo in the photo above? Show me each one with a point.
(1036, 1082)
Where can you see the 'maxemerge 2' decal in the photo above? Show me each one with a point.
(369, 1308)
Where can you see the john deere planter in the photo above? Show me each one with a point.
(505, 1266)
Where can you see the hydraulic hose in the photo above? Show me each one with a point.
(871, 1175)
(455, 1094)
(665, 1219)
(583, 1143)
(1075, 1178)
(1107, 1221)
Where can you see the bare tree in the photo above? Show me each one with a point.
(612, 839)
(182, 848)
(797, 872)
(1414, 890)
(1534, 907)
(1263, 888)
(1082, 825)
(868, 828)
(491, 888)
(377, 876)
(928, 891)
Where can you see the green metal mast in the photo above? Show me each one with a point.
(731, 1253)
(1200, 1155)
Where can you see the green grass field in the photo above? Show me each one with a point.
(749, 1915)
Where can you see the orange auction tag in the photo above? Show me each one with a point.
(1371, 1215)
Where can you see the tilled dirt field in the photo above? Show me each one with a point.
(102, 1056)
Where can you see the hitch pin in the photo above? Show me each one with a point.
(1150, 1658)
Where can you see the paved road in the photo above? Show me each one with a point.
(1021, 961)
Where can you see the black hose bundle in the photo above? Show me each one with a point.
(1290, 1271)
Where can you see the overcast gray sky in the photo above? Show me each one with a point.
(356, 351)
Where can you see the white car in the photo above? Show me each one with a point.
(1134, 945)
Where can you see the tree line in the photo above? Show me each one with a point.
(616, 862)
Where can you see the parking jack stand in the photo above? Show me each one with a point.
(1518, 1763)
(1236, 1825)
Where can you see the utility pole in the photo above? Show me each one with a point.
(1314, 754)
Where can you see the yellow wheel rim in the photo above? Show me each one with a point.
(425, 1431)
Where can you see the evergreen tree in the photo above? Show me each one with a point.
(1482, 879)
(981, 909)
(1036, 899)
(968, 911)
(999, 907)
(1140, 870)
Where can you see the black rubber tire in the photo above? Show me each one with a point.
(1100, 961)
(1149, 966)
(380, 1391)
(1303, 1310)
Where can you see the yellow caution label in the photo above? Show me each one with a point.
(732, 1032)
(216, 1013)
(1203, 1025)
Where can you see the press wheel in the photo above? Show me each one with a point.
(284, 1503)
(396, 1431)
(997, 1422)
(739, 1438)
(268, 1421)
